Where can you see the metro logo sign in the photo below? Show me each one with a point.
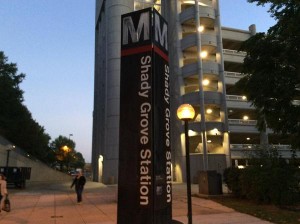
(144, 184)
(139, 28)
(136, 33)
(161, 32)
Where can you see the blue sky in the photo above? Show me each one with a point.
(52, 42)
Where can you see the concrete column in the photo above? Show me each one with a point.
(201, 92)
(106, 127)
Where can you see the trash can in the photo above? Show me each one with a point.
(210, 182)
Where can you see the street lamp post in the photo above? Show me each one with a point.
(67, 150)
(7, 158)
(68, 155)
(186, 113)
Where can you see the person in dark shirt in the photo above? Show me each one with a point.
(79, 182)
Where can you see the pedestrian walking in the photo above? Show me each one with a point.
(3, 190)
(79, 182)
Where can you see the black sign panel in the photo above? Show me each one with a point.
(144, 184)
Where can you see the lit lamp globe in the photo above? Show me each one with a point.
(186, 112)
(65, 148)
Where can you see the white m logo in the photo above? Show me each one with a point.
(136, 34)
(161, 36)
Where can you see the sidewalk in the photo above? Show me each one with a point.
(56, 204)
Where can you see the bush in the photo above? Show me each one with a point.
(268, 179)
(231, 178)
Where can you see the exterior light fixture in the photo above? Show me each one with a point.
(245, 118)
(205, 82)
(192, 133)
(200, 29)
(244, 97)
(193, 2)
(248, 139)
(66, 149)
(209, 111)
(215, 131)
(208, 141)
(11, 147)
(203, 54)
(186, 112)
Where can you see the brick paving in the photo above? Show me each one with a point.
(55, 203)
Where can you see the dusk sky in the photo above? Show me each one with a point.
(52, 42)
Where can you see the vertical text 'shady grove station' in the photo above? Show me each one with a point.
(204, 65)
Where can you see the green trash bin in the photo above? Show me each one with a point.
(210, 182)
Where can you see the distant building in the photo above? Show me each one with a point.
(204, 65)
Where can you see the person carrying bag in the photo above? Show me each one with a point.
(6, 206)
(5, 203)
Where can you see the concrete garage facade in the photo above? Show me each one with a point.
(205, 63)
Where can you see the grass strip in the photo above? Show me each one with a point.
(269, 213)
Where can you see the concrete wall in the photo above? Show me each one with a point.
(106, 114)
(39, 171)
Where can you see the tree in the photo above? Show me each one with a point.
(18, 126)
(11, 96)
(16, 122)
(286, 30)
(260, 180)
(62, 147)
(272, 68)
(66, 155)
(78, 161)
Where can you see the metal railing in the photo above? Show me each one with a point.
(242, 122)
(234, 52)
(234, 74)
(254, 146)
(236, 98)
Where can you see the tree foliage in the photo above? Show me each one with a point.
(66, 155)
(18, 126)
(272, 68)
(268, 179)
(78, 161)
(16, 122)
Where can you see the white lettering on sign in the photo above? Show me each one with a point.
(144, 123)
(167, 89)
(169, 176)
(145, 178)
(167, 126)
(167, 135)
(145, 69)
(145, 112)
